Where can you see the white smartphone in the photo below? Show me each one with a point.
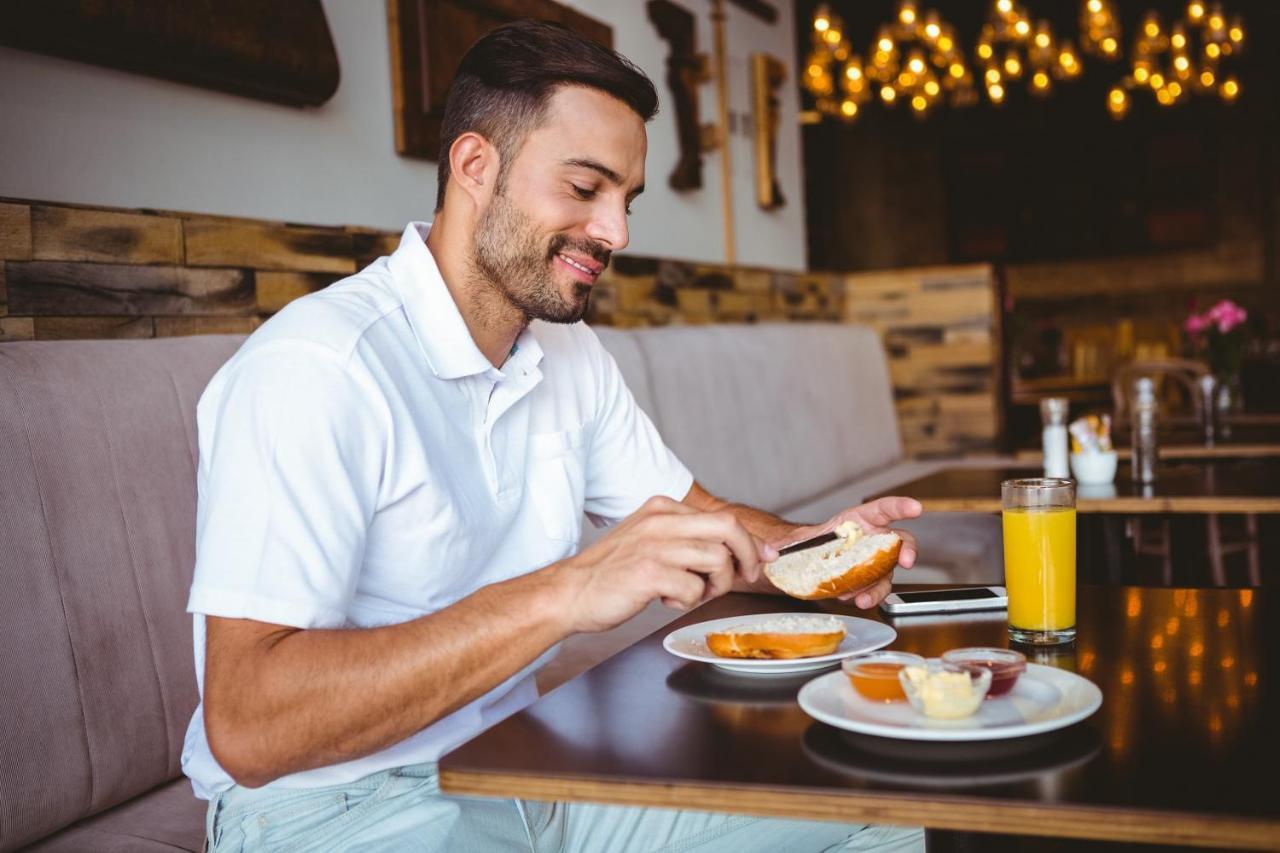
(958, 600)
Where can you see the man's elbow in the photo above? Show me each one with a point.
(232, 748)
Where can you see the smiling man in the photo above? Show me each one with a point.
(392, 477)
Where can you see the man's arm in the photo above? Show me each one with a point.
(279, 700)
(779, 533)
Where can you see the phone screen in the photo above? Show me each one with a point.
(947, 595)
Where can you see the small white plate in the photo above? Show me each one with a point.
(1044, 699)
(690, 643)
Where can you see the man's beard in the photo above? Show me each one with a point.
(505, 251)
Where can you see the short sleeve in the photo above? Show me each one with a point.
(292, 449)
(627, 461)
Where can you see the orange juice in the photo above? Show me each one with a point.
(1040, 567)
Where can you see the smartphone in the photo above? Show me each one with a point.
(960, 599)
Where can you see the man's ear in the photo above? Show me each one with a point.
(474, 166)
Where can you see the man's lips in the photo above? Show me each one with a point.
(585, 270)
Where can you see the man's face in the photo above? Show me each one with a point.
(560, 210)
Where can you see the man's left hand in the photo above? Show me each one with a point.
(873, 517)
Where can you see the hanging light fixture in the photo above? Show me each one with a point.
(916, 59)
(1100, 29)
(1010, 49)
(1182, 60)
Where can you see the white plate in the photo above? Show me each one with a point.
(690, 643)
(1044, 699)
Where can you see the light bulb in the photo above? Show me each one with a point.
(1195, 10)
(916, 64)
(931, 88)
(993, 76)
(1212, 51)
(1022, 28)
(1095, 6)
(1108, 45)
(1004, 7)
(849, 108)
(957, 70)
(919, 103)
(1206, 78)
(1230, 88)
(888, 94)
(1157, 81)
(885, 44)
(907, 14)
(996, 92)
(984, 50)
(1040, 80)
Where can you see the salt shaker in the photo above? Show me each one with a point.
(1053, 417)
(1144, 430)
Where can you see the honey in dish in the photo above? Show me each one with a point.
(878, 681)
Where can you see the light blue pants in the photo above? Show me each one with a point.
(404, 810)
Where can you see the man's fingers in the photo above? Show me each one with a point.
(907, 556)
(884, 511)
(720, 528)
(712, 560)
(679, 588)
(870, 596)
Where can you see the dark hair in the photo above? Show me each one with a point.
(504, 82)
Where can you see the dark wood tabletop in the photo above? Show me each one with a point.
(1182, 751)
(1182, 486)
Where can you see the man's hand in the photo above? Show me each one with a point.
(666, 550)
(873, 517)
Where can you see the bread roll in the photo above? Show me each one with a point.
(850, 563)
(780, 637)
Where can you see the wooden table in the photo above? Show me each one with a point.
(1195, 486)
(1183, 750)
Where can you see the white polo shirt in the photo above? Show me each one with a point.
(363, 464)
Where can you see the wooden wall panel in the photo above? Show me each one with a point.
(58, 288)
(941, 335)
(15, 232)
(16, 329)
(277, 289)
(168, 327)
(105, 273)
(111, 237)
(93, 328)
(221, 243)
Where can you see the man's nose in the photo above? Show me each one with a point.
(609, 226)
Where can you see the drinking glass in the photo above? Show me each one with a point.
(1040, 559)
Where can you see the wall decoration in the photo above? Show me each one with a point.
(280, 51)
(767, 74)
(686, 69)
(428, 40)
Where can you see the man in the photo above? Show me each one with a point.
(391, 477)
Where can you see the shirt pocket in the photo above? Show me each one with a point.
(557, 478)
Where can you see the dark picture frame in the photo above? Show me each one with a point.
(428, 40)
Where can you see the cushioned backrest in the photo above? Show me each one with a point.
(773, 414)
(625, 349)
(97, 533)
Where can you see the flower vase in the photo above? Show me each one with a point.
(1229, 401)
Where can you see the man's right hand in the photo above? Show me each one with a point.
(665, 550)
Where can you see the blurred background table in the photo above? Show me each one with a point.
(1176, 755)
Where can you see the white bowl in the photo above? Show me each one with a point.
(1094, 469)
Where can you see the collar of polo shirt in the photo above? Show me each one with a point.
(437, 323)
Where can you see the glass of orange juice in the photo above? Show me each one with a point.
(1040, 559)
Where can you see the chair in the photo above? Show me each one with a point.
(1185, 375)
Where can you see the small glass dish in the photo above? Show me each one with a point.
(945, 691)
(875, 674)
(1005, 665)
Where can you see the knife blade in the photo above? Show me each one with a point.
(821, 539)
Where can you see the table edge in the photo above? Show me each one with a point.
(968, 814)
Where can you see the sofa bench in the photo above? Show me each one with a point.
(97, 528)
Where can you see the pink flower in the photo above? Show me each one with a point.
(1197, 324)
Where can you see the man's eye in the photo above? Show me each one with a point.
(583, 192)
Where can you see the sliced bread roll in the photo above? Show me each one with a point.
(850, 563)
(790, 636)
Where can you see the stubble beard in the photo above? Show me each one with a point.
(507, 257)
